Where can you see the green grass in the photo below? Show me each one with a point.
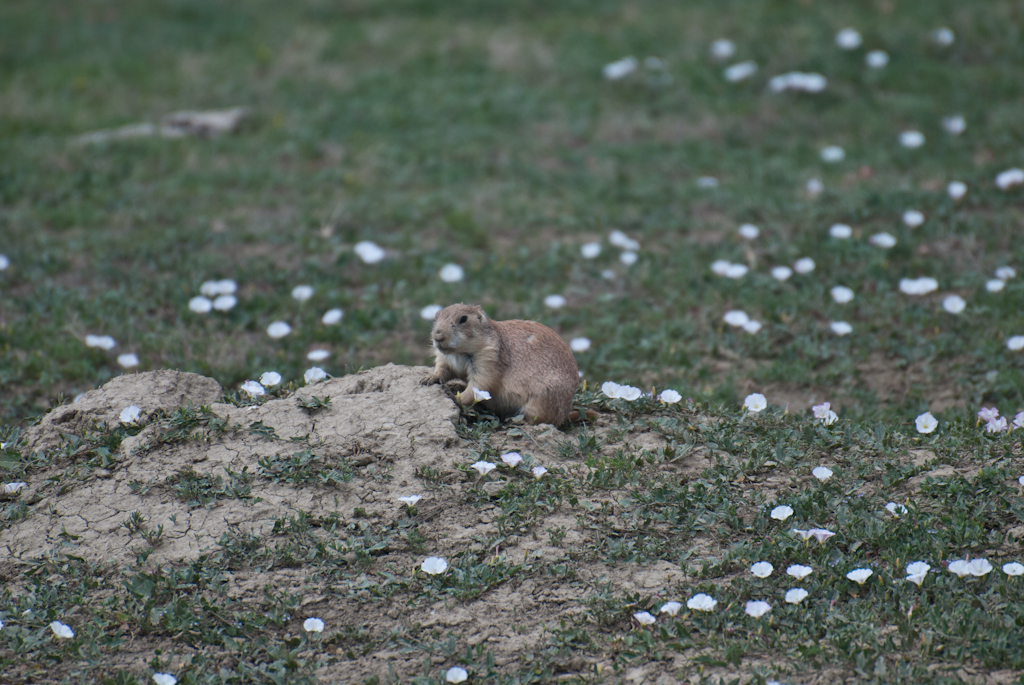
(482, 133)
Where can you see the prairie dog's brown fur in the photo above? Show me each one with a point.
(524, 365)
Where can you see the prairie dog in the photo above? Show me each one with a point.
(524, 365)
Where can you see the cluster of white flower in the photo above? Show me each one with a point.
(222, 293)
(994, 423)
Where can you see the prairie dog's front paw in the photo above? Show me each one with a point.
(430, 379)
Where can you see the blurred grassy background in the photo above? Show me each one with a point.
(482, 133)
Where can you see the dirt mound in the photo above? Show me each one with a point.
(237, 469)
(151, 391)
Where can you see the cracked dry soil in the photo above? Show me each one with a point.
(390, 431)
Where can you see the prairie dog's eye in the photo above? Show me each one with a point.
(463, 320)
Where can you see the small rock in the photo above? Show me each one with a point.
(102, 473)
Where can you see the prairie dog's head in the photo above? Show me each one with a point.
(460, 328)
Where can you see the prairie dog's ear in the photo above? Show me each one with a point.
(481, 315)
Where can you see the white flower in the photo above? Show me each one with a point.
(752, 326)
(481, 395)
(1009, 178)
(804, 265)
(707, 182)
(916, 571)
(5, 263)
(14, 488)
(278, 329)
(895, 509)
(225, 303)
(613, 71)
(995, 285)
(913, 218)
(918, 286)
(804, 535)
(318, 355)
(960, 567)
(1015, 343)
(740, 71)
(104, 342)
(430, 311)
(840, 231)
(130, 414)
(512, 458)
(755, 402)
(210, 288)
(762, 569)
(701, 602)
(1013, 569)
(451, 273)
(911, 139)
(333, 316)
(723, 48)
(799, 572)
(781, 273)
(943, 36)
(579, 344)
(749, 231)
(820, 534)
(781, 512)
(369, 251)
(270, 378)
(956, 189)
(954, 304)
(62, 630)
(410, 500)
(313, 625)
(1018, 422)
(832, 154)
(434, 565)
(926, 423)
(620, 239)
(554, 301)
(620, 392)
(883, 240)
(720, 267)
(128, 360)
(841, 328)
(795, 80)
(954, 125)
(979, 567)
(736, 271)
(484, 467)
(1006, 272)
(669, 396)
(644, 618)
(456, 674)
(164, 679)
(670, 608)
(815, 187)
(848, 39)
(538, 471)
(736, 318)
(628, 258)
(253, 388)
(302, 292)
(842, 294)
(876, 59)
(822, 473)
(314, 374)
(590, 250)
(796, 595)
(859, 575)
(988, 414)
(996, 426)
(757, 609)
(825, 414)
(200, 304)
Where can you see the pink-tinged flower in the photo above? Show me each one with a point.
(644, 618)
(821, 534)
(988, 414)
(806, 535)
(996, 425)
(1018, 420)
